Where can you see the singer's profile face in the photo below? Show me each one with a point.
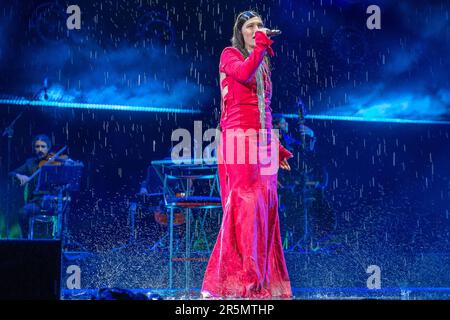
(248, 31)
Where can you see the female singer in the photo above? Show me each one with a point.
(247, 260)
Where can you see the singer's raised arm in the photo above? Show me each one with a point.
(233, 65)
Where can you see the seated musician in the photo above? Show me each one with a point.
(41, 145)
(152, 183)
(289, 141)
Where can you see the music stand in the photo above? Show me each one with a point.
(54, 177)
(56, 180)
(188, 170)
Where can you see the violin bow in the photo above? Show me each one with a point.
(50, 159)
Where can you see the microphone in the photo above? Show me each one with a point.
(272, 33)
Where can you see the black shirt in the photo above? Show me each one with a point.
(28, 168)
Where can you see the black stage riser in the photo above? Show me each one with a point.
(30, 269)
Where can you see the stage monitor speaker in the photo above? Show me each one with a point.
(30, 269)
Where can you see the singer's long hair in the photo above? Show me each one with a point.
(237, 40)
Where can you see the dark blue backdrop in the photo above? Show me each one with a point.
(389, 182)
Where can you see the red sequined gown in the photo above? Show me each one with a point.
(247, 260)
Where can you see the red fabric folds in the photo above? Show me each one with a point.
(284, 153)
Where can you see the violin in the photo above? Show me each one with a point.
(51, 160)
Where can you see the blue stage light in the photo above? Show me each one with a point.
(350, 118)
(41, 103)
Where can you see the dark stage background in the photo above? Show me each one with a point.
(388, 176)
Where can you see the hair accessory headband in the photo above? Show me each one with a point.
(244, 17)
